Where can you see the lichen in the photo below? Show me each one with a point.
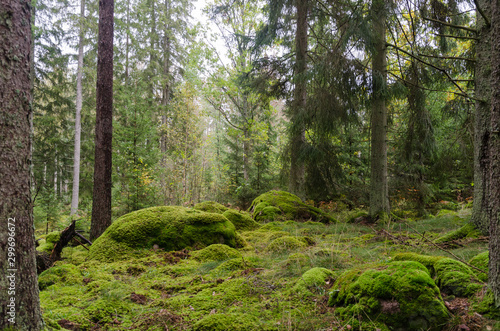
(211, 207)
(170, 228)
(280, 205)
(313, 282)
(216, 252)
(241, 220)
(400, 294)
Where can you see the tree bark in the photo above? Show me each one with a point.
(494, 179)
(19, 297)
(78, 116)
(379, 192)
(480, 214)
(101, 207)
(297, 138)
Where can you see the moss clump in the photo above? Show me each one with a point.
(280, 205)
(466, 231)
(486, 306)
(216, 252)
(286, 243)
(103, 312)
(233, 264)
(400, 294)
(171, 228)
(241, 220)
(211, 207)
(481, 261)
(298, 259)
(224, 322)
(452, 276)
(50, 240)
(313, 282)
(67, 274)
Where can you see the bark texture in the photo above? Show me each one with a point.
(101, 207)
(379, 192)
(78, 116)
(494, 179)
(18, 278)
(297, 137)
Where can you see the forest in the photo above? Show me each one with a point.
(252, 165)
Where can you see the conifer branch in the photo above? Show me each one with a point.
(447, 57)
(456, 37)
(450, 25)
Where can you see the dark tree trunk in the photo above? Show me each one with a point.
(480, 215)
(19, 299)
(494, 179)
(379, 192)
(101, 207)
(297, 137)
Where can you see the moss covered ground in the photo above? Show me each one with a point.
(286, 275)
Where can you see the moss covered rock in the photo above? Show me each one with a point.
(280, 205)
(286, 243)
(481, 261)
(452, 276)
(211, 207)
(224, 322)
(50, 240)
(66, 274)
(400, 294)
(241, 220)
(313, 281)
(216, 252)
(171, 228)
(467, 231)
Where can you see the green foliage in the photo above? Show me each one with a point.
(67, 274)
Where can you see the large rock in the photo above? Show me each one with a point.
(169, 227)
(280, 205)
(401, 295)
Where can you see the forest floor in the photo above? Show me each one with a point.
(257, 290)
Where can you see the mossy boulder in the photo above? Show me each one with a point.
(216, 252)
(66, 274)
(280, 205)
(241, 220)
(170, 228)
(313, 282)
(50, 240)
(211, 207)
(400, 294)
(286, 243)
(224, 322)
(452, 276)
(480, 261)
(485, 306)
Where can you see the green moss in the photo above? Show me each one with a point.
(64, 274)
(452, 276)
(233, 264)
(171, 228)
(486, 306)
(466, 231)
(481, 261)
(298, 259)
(241, 220)
(216, 252)
(104, 312)
(224, 322)
(400, 294)
(286, 243)
(280, 205)
(211, 207)
(313, 282)
(50, 240)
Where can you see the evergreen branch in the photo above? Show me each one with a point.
(486, 20)
(221, 111)
(450, 25)
(447, 57)
(430, 65)
(456, 37)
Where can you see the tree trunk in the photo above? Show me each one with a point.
(101, 207)
(480, 216)
(379, 192)
(78, 116)
(297, 138)
(494, 179)
(19, 297)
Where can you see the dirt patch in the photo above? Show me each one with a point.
(69, 325)
(138, 298)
